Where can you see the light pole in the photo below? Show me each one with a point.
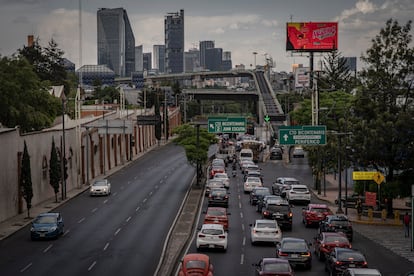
(63, 160)
(87, 154)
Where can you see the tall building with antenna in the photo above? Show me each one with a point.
(174, 42)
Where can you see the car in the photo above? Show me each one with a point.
(283, 182)
(212, 236)
(298, 193)
(250, 183)
(216, 169)
(337, 223)
(222, 176)
(273, 266)
(298, 152)
(351, 200)
(262, 202)
(326, 241)
(217, 215)
(280, 211)
(47, 226)
(257, 194)
(411, 273)
(342, 258)
(255, 173)
(315, 213)
(100, 187)
(213, 183)
(363, 272)
(276, 154)
(218, 197)
(196, 264)
(250, 167)
(296, 251)
(265, 230)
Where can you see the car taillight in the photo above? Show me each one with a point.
(290, 214)
(222, 237)
(306, 254)
(266, 213)
(283, 254)
(201, 236)
(339, 263)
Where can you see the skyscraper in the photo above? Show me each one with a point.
(116, 41)
(174, 42)
(139, 67)
(147, 61)
(207, 44)
(159, 58)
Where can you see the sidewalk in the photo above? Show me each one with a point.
(330, 194)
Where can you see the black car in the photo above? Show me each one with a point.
(218, 197)
(258, 193)
(280, 211)
(276, 154)
(337, 223)
(342, 258)
(296, 251)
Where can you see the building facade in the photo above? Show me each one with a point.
(192, 60)
(159, 58)
(139, 67)
(116, 41)
(213, 59)
(174, 42)
(147, 64)
(207, 44)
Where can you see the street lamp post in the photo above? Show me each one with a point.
(63, 160)
(254, 54)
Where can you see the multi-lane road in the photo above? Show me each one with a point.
(124, 234)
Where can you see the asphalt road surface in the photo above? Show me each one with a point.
(122, 234)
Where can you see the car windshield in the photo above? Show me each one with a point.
(220, 175)
(253, 179)
(99, 183)
(339, 222)
(212, 231)
(336, 239)
(351, 256)
(45, 219)
(266, 225)
(320, 210)
(215, 213)
(195, 264)
(277, 267)
(278, 208)
(218, 192)
(295, 245)
(262, 191)
(300, 189)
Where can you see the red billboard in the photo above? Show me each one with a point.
(312, 36)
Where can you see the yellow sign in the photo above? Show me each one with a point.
(376, 176)
(363, 175)
(379, 178)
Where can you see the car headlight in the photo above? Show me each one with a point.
(53, 228)
(32, 229)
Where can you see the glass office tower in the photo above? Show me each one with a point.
(116, 41)
(174, 42)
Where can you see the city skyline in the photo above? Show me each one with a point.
(238, 26)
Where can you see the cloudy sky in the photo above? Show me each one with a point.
(239, 26)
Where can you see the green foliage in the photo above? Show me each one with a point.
(337, 75)
(26, 179)
(187, 137)
(24, 99)
(55, 172)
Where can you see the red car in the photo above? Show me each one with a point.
(196, 264)
(217, 215)
(273, 267)
(315, 213)
(325, 242)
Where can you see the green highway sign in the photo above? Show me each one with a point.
(302, 135)
(267, 118)
(226, 124)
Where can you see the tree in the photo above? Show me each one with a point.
(55, 171)
(26, 179)
(337, 75)
(24, 99)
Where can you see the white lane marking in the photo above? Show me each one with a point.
(128, 219)
(117, 231)
(106, 246)
(91, 266)
(150, 194)
(145, 199)
(105, 201)
(244, 241)
(66, 232)
(26, 267)
(122, 187)
(243, 227)
(47, 248)
(81, 220)
(240, 206)
(136, 210)
(94, 210)
(156, 187)
(242, 259)
(241, 214)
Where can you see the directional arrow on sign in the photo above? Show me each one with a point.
(285, 137)
(267, 118)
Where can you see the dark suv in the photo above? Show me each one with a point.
(337, 223)
(258, 193)
(279, 211)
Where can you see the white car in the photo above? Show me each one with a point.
(265, 230)
(252, 182)
(212, 236)
(299, 193)
(224, 178)
(100, 187)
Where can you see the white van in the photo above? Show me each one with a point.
(361, 272)
(246, 154)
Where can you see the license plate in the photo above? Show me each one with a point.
(211, 246)
(216, 221)
(351, 265)
(294, 255)
(42, 235)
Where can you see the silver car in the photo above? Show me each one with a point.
(100, 187)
